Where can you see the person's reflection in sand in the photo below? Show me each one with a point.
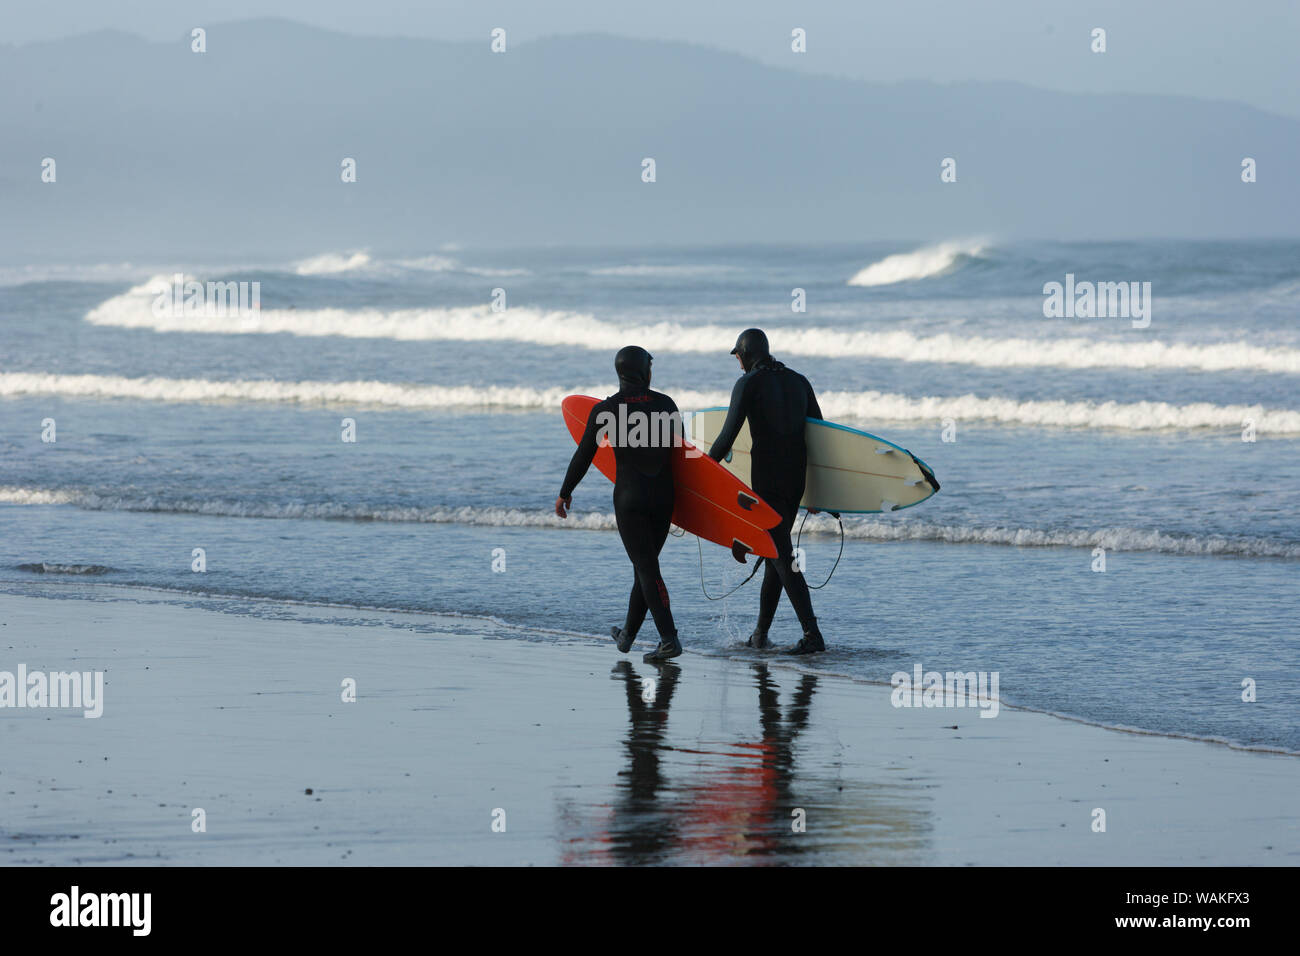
(728, 801)
(764, 785)
(779, 735)
(645, 830)
(690, 799)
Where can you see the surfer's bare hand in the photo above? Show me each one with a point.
(561, 504)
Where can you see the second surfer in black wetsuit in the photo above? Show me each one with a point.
(642, 427)
(776, 400)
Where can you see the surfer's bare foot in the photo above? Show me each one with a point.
(667, 648)
(622, 638)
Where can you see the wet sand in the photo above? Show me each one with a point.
(465, 750)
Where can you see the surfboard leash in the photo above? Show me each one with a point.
(758, 563)
(818, 587)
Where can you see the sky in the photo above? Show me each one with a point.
(1241, 52)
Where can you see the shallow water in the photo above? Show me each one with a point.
(461, 449)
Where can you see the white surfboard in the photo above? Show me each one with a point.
(849, 471)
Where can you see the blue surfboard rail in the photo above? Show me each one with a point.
(856, 431)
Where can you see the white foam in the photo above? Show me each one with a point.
(864, 407)
(332, 263)
(338, 263)
(922, 263)
(435, 263)
(491, 517)
(133, 309)
(1112, 539)
(194, 390)
(38, 496)
(1129, 416)
(863, 528)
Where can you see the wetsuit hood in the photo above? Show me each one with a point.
(751, 347)
(632, 364)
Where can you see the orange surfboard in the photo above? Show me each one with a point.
(708, 500)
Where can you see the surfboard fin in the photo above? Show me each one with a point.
(746, 501)
(739, 549)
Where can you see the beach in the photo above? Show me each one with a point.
(463, 748)
(314, 528)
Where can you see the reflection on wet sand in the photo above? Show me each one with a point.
(688, 801)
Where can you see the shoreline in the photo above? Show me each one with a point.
(772, 659)
(713, 762)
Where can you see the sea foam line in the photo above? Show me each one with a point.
(297, 510)
(134, 309)
(855, 527)
(865, 407)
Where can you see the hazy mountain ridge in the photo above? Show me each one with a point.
(237, 150)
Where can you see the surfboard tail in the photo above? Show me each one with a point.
(925, 470)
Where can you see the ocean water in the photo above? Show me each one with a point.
(1052, 437)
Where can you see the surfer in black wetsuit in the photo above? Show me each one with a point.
(642, 427)
(776, 400)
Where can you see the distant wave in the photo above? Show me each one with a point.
(133, 309)
(866, 407)
(639, 271)
(331, 263)
(98, 272)
(361, 262)
(862, 528)
(921, 263)
(356, 262)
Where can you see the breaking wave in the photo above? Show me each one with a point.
(922, 263)
(864, 407)
(133, 310)
(331, 263)
(362, 263)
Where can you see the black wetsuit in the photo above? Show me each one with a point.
(643, 494)
(776, 400)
